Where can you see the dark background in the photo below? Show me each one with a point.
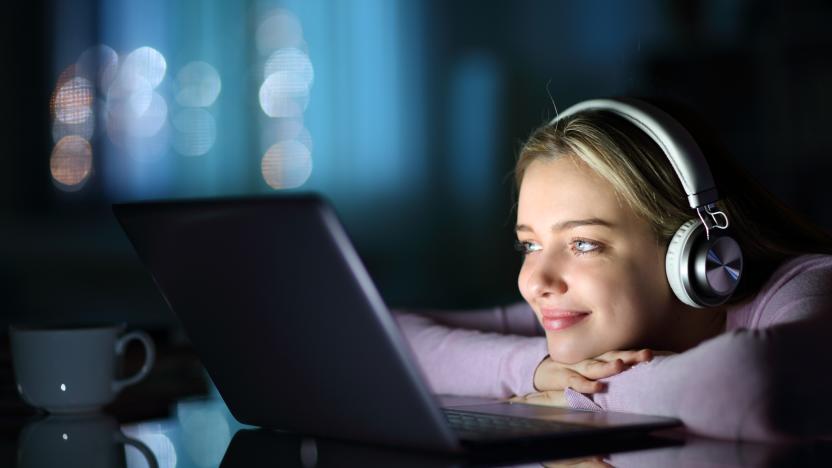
(463, 83)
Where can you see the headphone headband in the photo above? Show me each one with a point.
(674, 140)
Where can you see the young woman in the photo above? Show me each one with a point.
(601, 328)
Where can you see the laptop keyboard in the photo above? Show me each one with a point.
(479, 424)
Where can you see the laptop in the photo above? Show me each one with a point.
(295, 336)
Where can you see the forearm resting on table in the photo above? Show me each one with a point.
(511, 319)
(764, 384)
(463, 361)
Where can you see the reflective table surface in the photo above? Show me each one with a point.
(200, 432)
(176, 419)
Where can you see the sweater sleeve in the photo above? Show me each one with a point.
(470, 353)
(513, 319)
(765, 384)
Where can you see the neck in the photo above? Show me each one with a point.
(692, 326)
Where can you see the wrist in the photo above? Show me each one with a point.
(535, 383)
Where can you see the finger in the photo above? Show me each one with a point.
(562, 377)
(595, 369)
(580, 383)
(629, 357)
(548, 398)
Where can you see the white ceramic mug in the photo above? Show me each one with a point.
(72, 369)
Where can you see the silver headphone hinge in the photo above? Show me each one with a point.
(713, 222)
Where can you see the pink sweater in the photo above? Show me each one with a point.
(768, 377)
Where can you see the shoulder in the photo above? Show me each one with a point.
(799, 276)
(797, 288)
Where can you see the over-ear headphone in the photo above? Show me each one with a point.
(703, 269)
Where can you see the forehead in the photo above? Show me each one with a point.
(566, 189)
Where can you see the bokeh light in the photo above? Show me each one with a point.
(287, 164)
(73, 100)
(85, 129)
(65, 77)
(129, 95)
(195, 131)
(199, 85)
(285, 129)
(293, 61)
(136, 116)
(146, 62)
(143, 137)
(71, 162)
(280, 29)
(284, 94)
(99, 64)
(151, 120)
(124, 124)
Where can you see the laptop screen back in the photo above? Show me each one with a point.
(285, 318)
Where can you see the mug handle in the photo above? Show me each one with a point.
(144, 449)
(149, 358)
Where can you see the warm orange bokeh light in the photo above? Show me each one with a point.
(73, 97)
(71, 162)
(286, 164)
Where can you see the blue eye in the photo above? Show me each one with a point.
(592, 246)
(526, 247)
(577, 246)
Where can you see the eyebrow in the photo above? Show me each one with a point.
(573, 223)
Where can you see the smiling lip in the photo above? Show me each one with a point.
(559, 319)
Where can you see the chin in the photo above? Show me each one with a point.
(568, 353)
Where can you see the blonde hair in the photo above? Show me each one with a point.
(643, 179)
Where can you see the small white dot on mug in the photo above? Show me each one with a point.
(65, 436)
(63, 387)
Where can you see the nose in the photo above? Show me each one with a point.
(546, 279)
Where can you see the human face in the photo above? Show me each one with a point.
(610, 271)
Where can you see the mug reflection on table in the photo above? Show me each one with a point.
(77, 440)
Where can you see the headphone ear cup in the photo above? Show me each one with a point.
(702, 272)
(677, 261)
(717, 268)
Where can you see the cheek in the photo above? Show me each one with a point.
(626, 303)
(523, 280)
(634, 308)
